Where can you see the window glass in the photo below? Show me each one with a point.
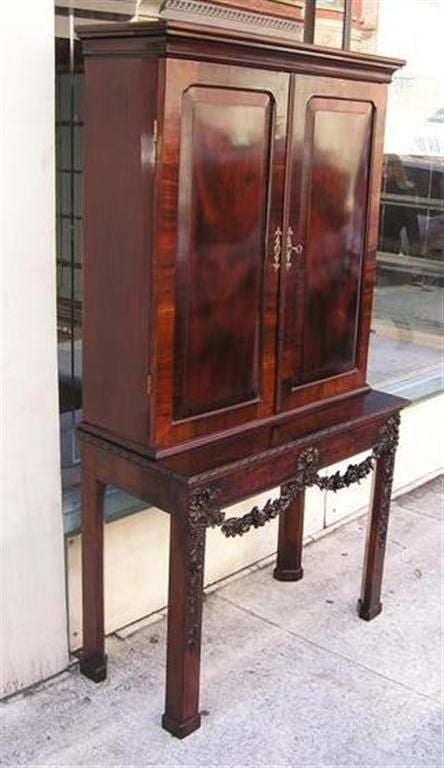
(69, 135)
(407, 325)
(69, 123)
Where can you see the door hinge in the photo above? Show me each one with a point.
(155, 132)
(149, 384)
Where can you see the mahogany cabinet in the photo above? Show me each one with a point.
(231, 209)
(231, 213)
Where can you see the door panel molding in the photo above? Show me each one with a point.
(204, 257)
(301, 379)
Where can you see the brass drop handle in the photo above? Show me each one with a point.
(277, 248)
(290, 248)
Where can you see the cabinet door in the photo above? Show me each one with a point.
(221, 175)
(330, 238)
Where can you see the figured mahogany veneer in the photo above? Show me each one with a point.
(231, 211)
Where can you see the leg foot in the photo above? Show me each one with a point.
(368, 612)
(94, 668)
(181, 729)
(288, 574)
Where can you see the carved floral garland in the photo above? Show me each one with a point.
(307, 475)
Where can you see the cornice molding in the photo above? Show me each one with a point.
(213, 13)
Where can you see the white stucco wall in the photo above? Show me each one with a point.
(33, 611)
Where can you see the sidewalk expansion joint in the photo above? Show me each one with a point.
(323, 648)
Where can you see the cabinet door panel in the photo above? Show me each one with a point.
(223, 180)
(335, 227)
(332, 192)
(222, 167)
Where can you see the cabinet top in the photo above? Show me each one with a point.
(161, 38)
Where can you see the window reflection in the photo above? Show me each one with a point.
(412, 213)
(69, 214)
(398, 215)
(407, 339)
(69, 128)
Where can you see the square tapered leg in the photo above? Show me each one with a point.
(187, 555)
(93, 659)
(290, 537)
(369, 604)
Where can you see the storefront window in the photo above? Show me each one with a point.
(69, 214)
(407, 328)
(69, 123)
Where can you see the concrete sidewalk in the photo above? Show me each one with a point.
(290, 675)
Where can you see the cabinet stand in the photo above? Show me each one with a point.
(194, 486)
